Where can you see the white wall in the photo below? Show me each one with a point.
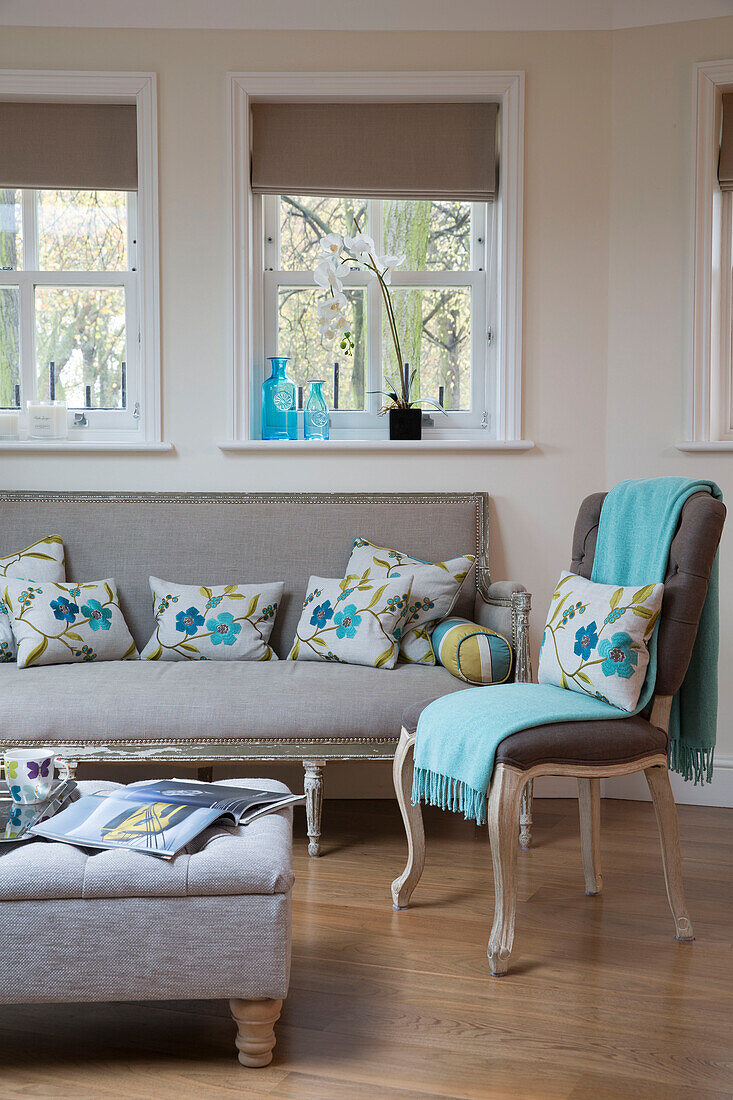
(598, 104)
(649, 339)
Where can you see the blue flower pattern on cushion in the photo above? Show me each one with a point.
(347, 622)
(100, 618)
(620, 659)
(189, 620)
(586, 640)
(223, 629)
(322, 614)
(63, 610)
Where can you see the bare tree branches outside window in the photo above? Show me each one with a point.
(434, 322)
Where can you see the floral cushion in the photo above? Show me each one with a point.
(41, 561)
(57, 624)
(228, 622)
(356, 620)
(435, 589)
(596, 638)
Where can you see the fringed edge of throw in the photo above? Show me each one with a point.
(448, 794)
(689, 762)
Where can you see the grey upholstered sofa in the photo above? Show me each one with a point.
(209, 713)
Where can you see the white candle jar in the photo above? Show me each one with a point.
(9, 424)
(47, 420)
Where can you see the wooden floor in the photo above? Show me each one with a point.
(600, 1000)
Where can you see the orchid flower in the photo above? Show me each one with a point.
(332, 244)
(340, 253)
(361, 246)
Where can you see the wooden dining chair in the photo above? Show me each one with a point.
(589, 751)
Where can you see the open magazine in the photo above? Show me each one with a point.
(160, 817)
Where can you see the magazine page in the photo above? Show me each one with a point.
(190, 792)
(108, 821)
(160, 816)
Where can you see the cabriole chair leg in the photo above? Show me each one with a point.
(402, 772)
(589, 805)
(669, 838)
(505, 796)
(525, 817)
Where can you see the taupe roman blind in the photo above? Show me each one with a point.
(85, 146)
(725, 164)
(375, 150)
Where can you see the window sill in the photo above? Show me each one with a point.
(708, 445)
(335, 445)
(70, 446)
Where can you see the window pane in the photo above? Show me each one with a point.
(82, 331)
(11, 229)
(82, 230)
(434, 236)
(311, 357)
(435, 337)
(9, 344)
(304, 220)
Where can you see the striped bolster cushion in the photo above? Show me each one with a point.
(473, 653)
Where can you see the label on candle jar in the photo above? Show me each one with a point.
(47, 421)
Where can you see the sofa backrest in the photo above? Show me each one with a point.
(227, 538)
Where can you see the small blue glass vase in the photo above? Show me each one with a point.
(315, 414)
(279, 406)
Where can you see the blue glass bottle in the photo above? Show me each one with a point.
(279, 408)
(315, 414)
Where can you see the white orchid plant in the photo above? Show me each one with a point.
(341, 255)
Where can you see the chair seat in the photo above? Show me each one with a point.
(614, 741)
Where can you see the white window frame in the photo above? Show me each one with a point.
(29, 277)
(112, 429)
(247, 307)
(355, 424)
(709, 412)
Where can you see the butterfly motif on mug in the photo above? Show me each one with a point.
(35, 770)
(15, 791)
(12, 769)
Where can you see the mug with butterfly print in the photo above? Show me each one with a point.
(29, 774)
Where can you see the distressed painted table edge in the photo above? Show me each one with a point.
(312, 754)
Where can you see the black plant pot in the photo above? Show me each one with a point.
(405, 423)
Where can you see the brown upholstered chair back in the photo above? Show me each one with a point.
(691, 557)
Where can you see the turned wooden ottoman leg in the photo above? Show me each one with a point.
(255, 1035)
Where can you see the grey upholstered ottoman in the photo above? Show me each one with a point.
(83, 925)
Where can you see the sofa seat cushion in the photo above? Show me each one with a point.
(207, 700)
(613, 741)
(221, 861)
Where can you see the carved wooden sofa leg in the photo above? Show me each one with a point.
(505, 796)
(589, 805)
(255, 1022)
(402, 772)
(669, 838)
(313, 787)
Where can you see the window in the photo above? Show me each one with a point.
(440, 297)
(710, 396)
(79, 299)
(69, 302)
(456, 206)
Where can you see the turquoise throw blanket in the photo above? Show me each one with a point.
(457, 735)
